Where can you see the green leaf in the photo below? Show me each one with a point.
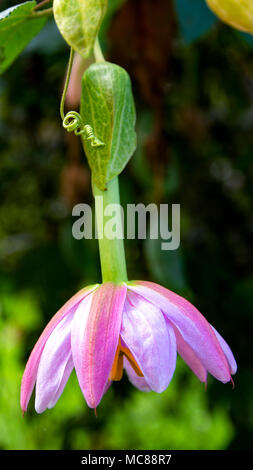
(79, 22)
(107, 105)
(17, 29)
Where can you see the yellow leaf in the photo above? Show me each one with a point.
(79, 22)
(236, 13)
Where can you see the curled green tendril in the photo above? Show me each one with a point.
(73, 122)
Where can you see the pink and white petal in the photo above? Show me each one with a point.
(136, 381)
(190, 358)
(53, 362)
(77, 336)
(30, 373)
(192, 325)
(227, 351)
(153, 346)
(94, 341)
(68, 369)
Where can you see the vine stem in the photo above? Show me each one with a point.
(70, 63)
(41, 4)
(40, 13)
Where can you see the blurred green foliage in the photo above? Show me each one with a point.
(207, 126)
(195, 18)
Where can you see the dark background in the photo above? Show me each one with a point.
(193, 85)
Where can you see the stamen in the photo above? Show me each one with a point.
(117, 367)
(132, 361)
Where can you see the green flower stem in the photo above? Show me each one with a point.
(112, 252)
(99, 57)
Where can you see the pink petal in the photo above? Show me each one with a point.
(227, 351)
(190, 357)
(94, 339)
(54, 359)
(30, 373)
(193, 327)
(153, 346)
(138, 382)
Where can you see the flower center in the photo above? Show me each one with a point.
(117, 368)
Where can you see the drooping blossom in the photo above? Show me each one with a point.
(139, 326)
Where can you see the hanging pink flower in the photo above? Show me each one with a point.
(137, 325)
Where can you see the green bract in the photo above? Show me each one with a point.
(107, 105)
(79, 22)
(17, 28)
(237, 13)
